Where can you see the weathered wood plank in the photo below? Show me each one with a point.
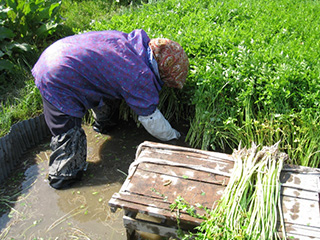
(183, 173)
(156, 185)
(302, 230)
(169, 149)
(301, 237)
(301, 211)
(157, 209)
(299, 193)
(300, 169)
(147, 226)
(189, 160)
(187, 157)
(302, 181)
(147, 201)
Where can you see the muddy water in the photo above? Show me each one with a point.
(38, 211)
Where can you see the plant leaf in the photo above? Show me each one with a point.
(6, 33)
(21, 47)
(6, 65)
(45, 28)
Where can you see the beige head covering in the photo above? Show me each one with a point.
(172, 61)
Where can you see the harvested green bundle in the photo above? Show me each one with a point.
(250, 207)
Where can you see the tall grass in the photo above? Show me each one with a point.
(25, 104)
(254, 67)
(78, 15)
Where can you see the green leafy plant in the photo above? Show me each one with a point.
(254, 67)
(254, 70)
(34, 18)
(22, 24)
(25, 26)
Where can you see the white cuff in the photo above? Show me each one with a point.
(158, 126)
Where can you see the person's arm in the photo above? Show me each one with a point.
(158, 126)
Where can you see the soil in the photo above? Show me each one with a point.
(31, 209)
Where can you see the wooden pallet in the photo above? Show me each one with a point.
(161, 173)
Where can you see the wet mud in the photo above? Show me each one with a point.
(31, 209)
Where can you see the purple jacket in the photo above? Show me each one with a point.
(76, 73)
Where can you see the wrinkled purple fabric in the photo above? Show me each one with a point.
(77, 72)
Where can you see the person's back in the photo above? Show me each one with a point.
(89, 67)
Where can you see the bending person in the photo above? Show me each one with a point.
(94, 70)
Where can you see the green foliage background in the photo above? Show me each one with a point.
(25, 27)
(24, 23)
(254, 67)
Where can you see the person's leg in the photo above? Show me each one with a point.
(105, 117)
(68, 158)
(68, 145)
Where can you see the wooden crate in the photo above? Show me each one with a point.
(161, 173)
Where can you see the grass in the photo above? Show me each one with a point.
(22, 103)
(254, 72)
(79, 14)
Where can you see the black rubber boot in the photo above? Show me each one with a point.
(63, 183)
(103, 127)
(68, 158)
(106, 116)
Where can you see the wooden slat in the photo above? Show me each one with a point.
(156, 185)
(301, 237)
(153, 146)
(189, 159)
(300, 169)
(156, 209)
(145, 226)
(302, 181)
(302, 230)
(183, 173)
(301, 211)
(299, 193)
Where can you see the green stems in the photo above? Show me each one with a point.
(250, 207)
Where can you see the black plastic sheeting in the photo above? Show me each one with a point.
(21, 137)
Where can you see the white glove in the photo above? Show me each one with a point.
(158, 126)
